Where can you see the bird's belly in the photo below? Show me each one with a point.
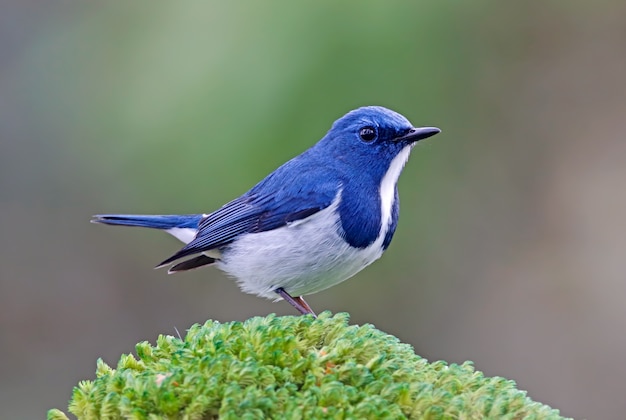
(303, 257)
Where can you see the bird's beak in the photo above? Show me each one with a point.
(418, 133)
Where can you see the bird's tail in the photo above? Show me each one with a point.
(182, 226)
(164, 222)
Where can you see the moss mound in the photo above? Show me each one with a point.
(293, 367)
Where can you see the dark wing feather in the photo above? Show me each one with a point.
(190, 264)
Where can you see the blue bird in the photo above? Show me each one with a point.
(312, 223)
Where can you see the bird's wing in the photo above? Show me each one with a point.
(269, 205)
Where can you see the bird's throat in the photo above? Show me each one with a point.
(388, 187)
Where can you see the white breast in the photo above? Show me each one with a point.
(303, 257)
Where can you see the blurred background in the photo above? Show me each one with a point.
(511, 246)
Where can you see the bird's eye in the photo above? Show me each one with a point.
(367, 133)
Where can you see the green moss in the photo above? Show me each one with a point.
(292, 367)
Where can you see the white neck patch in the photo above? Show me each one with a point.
(388, 186)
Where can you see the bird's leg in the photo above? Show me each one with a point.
(297, 302)
(306, 306)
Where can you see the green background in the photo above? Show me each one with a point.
(511, 242)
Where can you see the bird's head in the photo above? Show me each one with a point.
(369, 138)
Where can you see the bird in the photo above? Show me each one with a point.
(314, 222)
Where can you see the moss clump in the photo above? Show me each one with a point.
(293, 367)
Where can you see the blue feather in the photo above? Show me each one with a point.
(150, 221)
